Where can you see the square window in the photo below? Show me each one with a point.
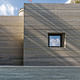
(56, 39)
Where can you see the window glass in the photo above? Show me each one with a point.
(55, 40)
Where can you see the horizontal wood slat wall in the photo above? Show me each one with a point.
(11, 40)
(41, 19)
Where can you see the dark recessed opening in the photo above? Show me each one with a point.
(56, 39)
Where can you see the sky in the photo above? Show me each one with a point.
(54, 40)
(11, 7)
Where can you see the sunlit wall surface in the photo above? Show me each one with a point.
(11, 40)
(42, 19)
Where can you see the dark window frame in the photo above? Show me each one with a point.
(61, 39)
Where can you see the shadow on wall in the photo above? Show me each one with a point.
(11, 51)
(37, 52)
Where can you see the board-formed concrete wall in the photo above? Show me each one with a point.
(11, 40)
(41, 19)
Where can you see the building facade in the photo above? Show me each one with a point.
(11, 40)
(43, 22)
(47, 35)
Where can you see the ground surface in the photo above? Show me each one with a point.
(39, 73)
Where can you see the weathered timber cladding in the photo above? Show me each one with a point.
(41, 19)
(11, 40)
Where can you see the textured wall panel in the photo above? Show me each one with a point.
(41, 19)
(11, 40)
